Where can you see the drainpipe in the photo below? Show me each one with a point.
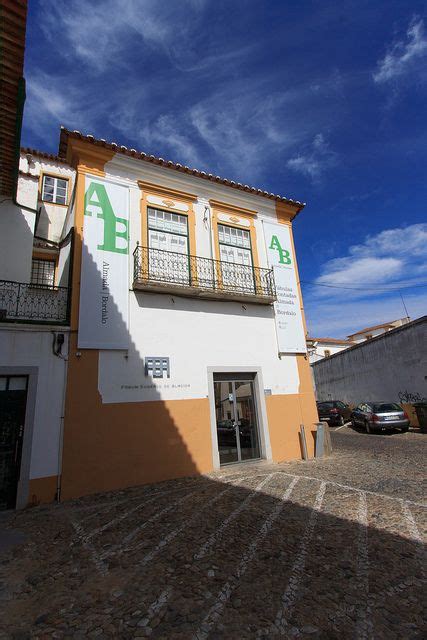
(56, 348)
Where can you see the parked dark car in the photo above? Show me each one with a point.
(334, 412)
(380, 416)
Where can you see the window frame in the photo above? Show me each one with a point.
(227, 214)
(172, 233)
(43, 259)
(54, 177)
(221, 223)
(235, 246)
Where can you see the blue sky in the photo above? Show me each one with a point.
(320, 101)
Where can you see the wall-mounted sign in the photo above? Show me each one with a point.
(104, 283)
(157, 366)
(287, 309)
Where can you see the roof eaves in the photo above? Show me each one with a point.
(43, 154)
(141, 155)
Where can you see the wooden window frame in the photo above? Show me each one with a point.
(169, 199)
(55, 176)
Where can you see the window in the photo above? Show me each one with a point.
(386, 407)
(327, 353)
(55, 190)
(43, 272)
(168, 232)
(235, 250)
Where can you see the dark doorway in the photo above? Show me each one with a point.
(13, 400)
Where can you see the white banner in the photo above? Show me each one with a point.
(104, 282)
(289, 324)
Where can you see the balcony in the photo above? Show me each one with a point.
(32, 303)
(196, 277)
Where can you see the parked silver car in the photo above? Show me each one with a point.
(380, 416)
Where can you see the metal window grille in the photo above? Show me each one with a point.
(43, 272)
(54, 190)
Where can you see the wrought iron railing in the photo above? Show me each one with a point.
(23, 302)
(155, 266)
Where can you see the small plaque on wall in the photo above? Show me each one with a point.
(267, 392)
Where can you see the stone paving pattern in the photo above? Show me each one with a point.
(319, 549)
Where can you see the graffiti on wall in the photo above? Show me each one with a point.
(407, 396)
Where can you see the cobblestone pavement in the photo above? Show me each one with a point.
(317, 549)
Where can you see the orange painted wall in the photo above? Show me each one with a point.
(42, 490)
(287, 412)
(111, 446)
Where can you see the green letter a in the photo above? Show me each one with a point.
(284, 257)
(97, 196)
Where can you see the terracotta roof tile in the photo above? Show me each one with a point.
(331, 340)
(377, 326)
(141, 155)
(43, 154)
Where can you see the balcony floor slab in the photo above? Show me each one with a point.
(201, 293)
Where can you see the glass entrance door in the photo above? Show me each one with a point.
(236, 421)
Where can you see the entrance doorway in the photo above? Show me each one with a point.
(236, 418)
(13, 400)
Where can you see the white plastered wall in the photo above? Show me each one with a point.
(32, 347)
(16, 233)
(194, 334)
(52, 216)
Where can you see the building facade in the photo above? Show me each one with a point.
(174, 340)
(34, 329)
(319, 348)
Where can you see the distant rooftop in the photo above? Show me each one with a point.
(385, 325)
(331, 340)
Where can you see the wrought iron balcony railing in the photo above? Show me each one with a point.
(33, 303)
(158, 270)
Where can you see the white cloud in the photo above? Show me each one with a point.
(341, 316)
(45, 104)
(98, 33)
(392, 257)
(316, 160)
(164, 133)
(404, 56)
(203, 112)
(372, 271)
(366, 270)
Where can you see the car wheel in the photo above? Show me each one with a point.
(405, 429)
(367, 427)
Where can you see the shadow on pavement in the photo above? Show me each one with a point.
(246, 557)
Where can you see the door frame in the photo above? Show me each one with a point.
(260, 408)
(24, 476)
